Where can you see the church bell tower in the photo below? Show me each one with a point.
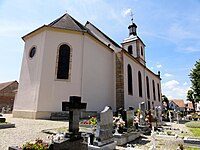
(133, 44)
(132, 29)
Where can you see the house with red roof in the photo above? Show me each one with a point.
(177, 105)
(7, 94)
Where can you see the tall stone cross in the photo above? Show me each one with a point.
(75, 107)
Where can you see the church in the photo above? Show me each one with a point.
(66, 58)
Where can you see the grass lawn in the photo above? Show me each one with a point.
(194, 127)
(195, 131)
(191, 148)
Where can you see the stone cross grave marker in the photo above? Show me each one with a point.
(104, 127)
(74, 106)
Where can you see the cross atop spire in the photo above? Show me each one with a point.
(133, 26)
(131, 14)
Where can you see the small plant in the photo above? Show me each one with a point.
(181, 147)
(38, 144)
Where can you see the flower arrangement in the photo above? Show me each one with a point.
(118, 122)
(38, 144)
(91, 121)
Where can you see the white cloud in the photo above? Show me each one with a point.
(167, 75)
(170, 84)
(174, 90)
(159, 66)
(185, 83)
(189, 49)
(126, 12)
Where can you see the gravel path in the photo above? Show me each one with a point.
(25, 130)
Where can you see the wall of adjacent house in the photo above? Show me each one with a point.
(7, 95)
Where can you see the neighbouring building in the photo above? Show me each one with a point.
(7, 94)
(66, 58)
(189, 107)
(177, 105)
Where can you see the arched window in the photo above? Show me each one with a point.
(154, 93)
(153, 107)
(140, 83)
(130, 49)
(158, 92)
(149, 105)
(130, 84)
(142, 52)
(147, 82)
(63, 62)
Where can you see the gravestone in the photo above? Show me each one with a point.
(142, 114)
(104, 136)
(170, 118)
(73, 140)
(158, 114)
(129, 120)
(153, 136)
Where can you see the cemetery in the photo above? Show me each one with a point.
(110, 130)
(4, 124)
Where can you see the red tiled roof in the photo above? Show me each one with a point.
(5, 84)
(190, 105)
(178, 102)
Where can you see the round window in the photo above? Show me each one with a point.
(32, 52)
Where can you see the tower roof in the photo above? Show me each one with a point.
(67, 22)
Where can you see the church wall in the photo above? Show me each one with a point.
(98, 76)
(53, 91)
(134, 48)
(26, 98)
(134, 100)
(156, 81)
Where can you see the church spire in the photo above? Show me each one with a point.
(132, 28)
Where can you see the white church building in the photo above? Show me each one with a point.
(66, 58)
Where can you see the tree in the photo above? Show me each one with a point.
(195, 80)
(190, 97)
(165, 99)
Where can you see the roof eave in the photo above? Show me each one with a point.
(33, 32)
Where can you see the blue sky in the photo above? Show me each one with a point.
(170, 30)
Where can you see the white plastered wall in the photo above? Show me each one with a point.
(29, 82)
(134, 100)
(98, 76)
(53, 91)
